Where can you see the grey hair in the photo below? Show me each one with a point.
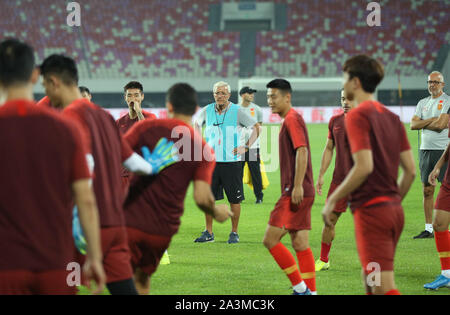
(220, 84)
(440, 74)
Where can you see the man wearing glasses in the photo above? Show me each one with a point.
(222, 119)
(432, 117)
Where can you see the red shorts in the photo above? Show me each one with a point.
(116, 254)
(292, 217)
(443, 199)
(341, 205)
(146, 249)
(378, 229)
(22, 282)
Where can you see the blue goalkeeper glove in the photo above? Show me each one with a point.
(164, 155)
(77, 232)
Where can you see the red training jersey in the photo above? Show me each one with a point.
(446, 180)
(344, 161)
(125, 123)
(42, 156)
(109, 150)
(371, 126)
(155, 203)
(293, 135)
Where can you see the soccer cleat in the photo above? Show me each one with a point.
(321, 265)
(424, 234)
(234, 238)
(258, 201)
(206, 237)
(440, 282)
(165, 260)
(307, 292)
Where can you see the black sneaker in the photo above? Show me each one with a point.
(206, 237)
(424, 234)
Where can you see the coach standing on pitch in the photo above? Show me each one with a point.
(432, 117)
(222, 119)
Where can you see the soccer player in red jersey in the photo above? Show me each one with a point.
(379, 146)
(109, 151)
(134, 96)
(337, 138)
(155, 204)
(292, 212)
(43, 171)
(441, 221)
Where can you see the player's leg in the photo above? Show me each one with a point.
(234, 189)
(142, 282)
(217, 190)
(255, 172)
(284, 258)
(441, 224)
(328, 234)
(300, 243)
(117, 261)
(426, 165)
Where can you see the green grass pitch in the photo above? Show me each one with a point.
(247, 268)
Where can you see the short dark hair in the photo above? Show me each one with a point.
(63, 67)
(133, 85)
(368, 70)
(84, 89)
(16, 62)
(280, 84)
(183, 97)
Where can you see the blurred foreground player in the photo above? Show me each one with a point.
(292, 212)
(337, 138)
(109, 151)
(43, 171)
(441, 221)
(155, 204)
(379, 145)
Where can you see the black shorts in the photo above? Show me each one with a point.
(427, 161)
(228, 176)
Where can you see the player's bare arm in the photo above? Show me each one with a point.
(417, 123)
(301, 164)
(88, 213)
(253, 137)
(432, 178)
(327, 156)
(362, 168)
(439, 124)
(204, 199)
(409, 172)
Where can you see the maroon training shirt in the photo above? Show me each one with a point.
(42, 156)
(344, 161)
(125, 123)
(155, 203)
(293, 135)
(371, 126)
(109, 151)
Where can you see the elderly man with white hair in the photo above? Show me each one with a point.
(432, 117)
(223, 120)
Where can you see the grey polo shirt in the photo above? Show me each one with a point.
(428, 108)
(256, 113)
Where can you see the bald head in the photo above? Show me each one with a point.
(436, 84)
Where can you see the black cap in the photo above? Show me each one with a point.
(247, 89)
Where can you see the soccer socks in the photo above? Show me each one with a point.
(287, 263)
(324, 252)
(443, 247)
(307, 268)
